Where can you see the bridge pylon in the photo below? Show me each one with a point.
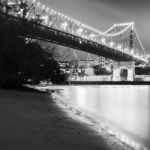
(123, 71)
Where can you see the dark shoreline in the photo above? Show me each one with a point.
(31, 89)
(35, 121)
(23, 89)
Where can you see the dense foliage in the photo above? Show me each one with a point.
(26, 61)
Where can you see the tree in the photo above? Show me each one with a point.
(26, 61)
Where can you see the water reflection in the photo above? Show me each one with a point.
(126, 108)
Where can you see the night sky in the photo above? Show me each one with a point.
(102, 14)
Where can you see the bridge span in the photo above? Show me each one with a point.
(119, 43)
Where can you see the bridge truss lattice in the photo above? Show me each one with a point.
(120, 37)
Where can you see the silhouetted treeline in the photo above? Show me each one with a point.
(26, 61)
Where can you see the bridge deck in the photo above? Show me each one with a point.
(34, 30)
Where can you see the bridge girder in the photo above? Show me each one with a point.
(29, 29)
(117, 43)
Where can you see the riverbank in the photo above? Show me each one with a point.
(108, 83)
(33, 120)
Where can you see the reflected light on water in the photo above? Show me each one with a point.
(126, 108)
(81, 97)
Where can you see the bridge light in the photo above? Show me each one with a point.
(103, 40)
(59, 14)
(11, 3)
(54, 12)
(43, 7)
(19, 2)
(148, 56)
(79, 22)
(132, 51)
(111, 44)
(126, 50)
(79, 31)
(45, 19)
(47, 9)
(62, 16)
(80, 41)
(20, 12)
(33, 1)
(70, 19)
(64, 25)
(38, 4)
(140, 56)
(119, 47)
(92, 36)
(50, 24)
(137, 54)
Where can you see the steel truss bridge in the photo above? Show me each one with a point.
(32, 19)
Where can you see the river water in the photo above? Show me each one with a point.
(125, 108)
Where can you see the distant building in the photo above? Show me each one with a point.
(101, 61)
(104, 62)
(89, 71)
(86, 70)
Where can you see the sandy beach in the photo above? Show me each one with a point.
(33, 120)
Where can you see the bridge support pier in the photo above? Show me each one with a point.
(123, 71)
